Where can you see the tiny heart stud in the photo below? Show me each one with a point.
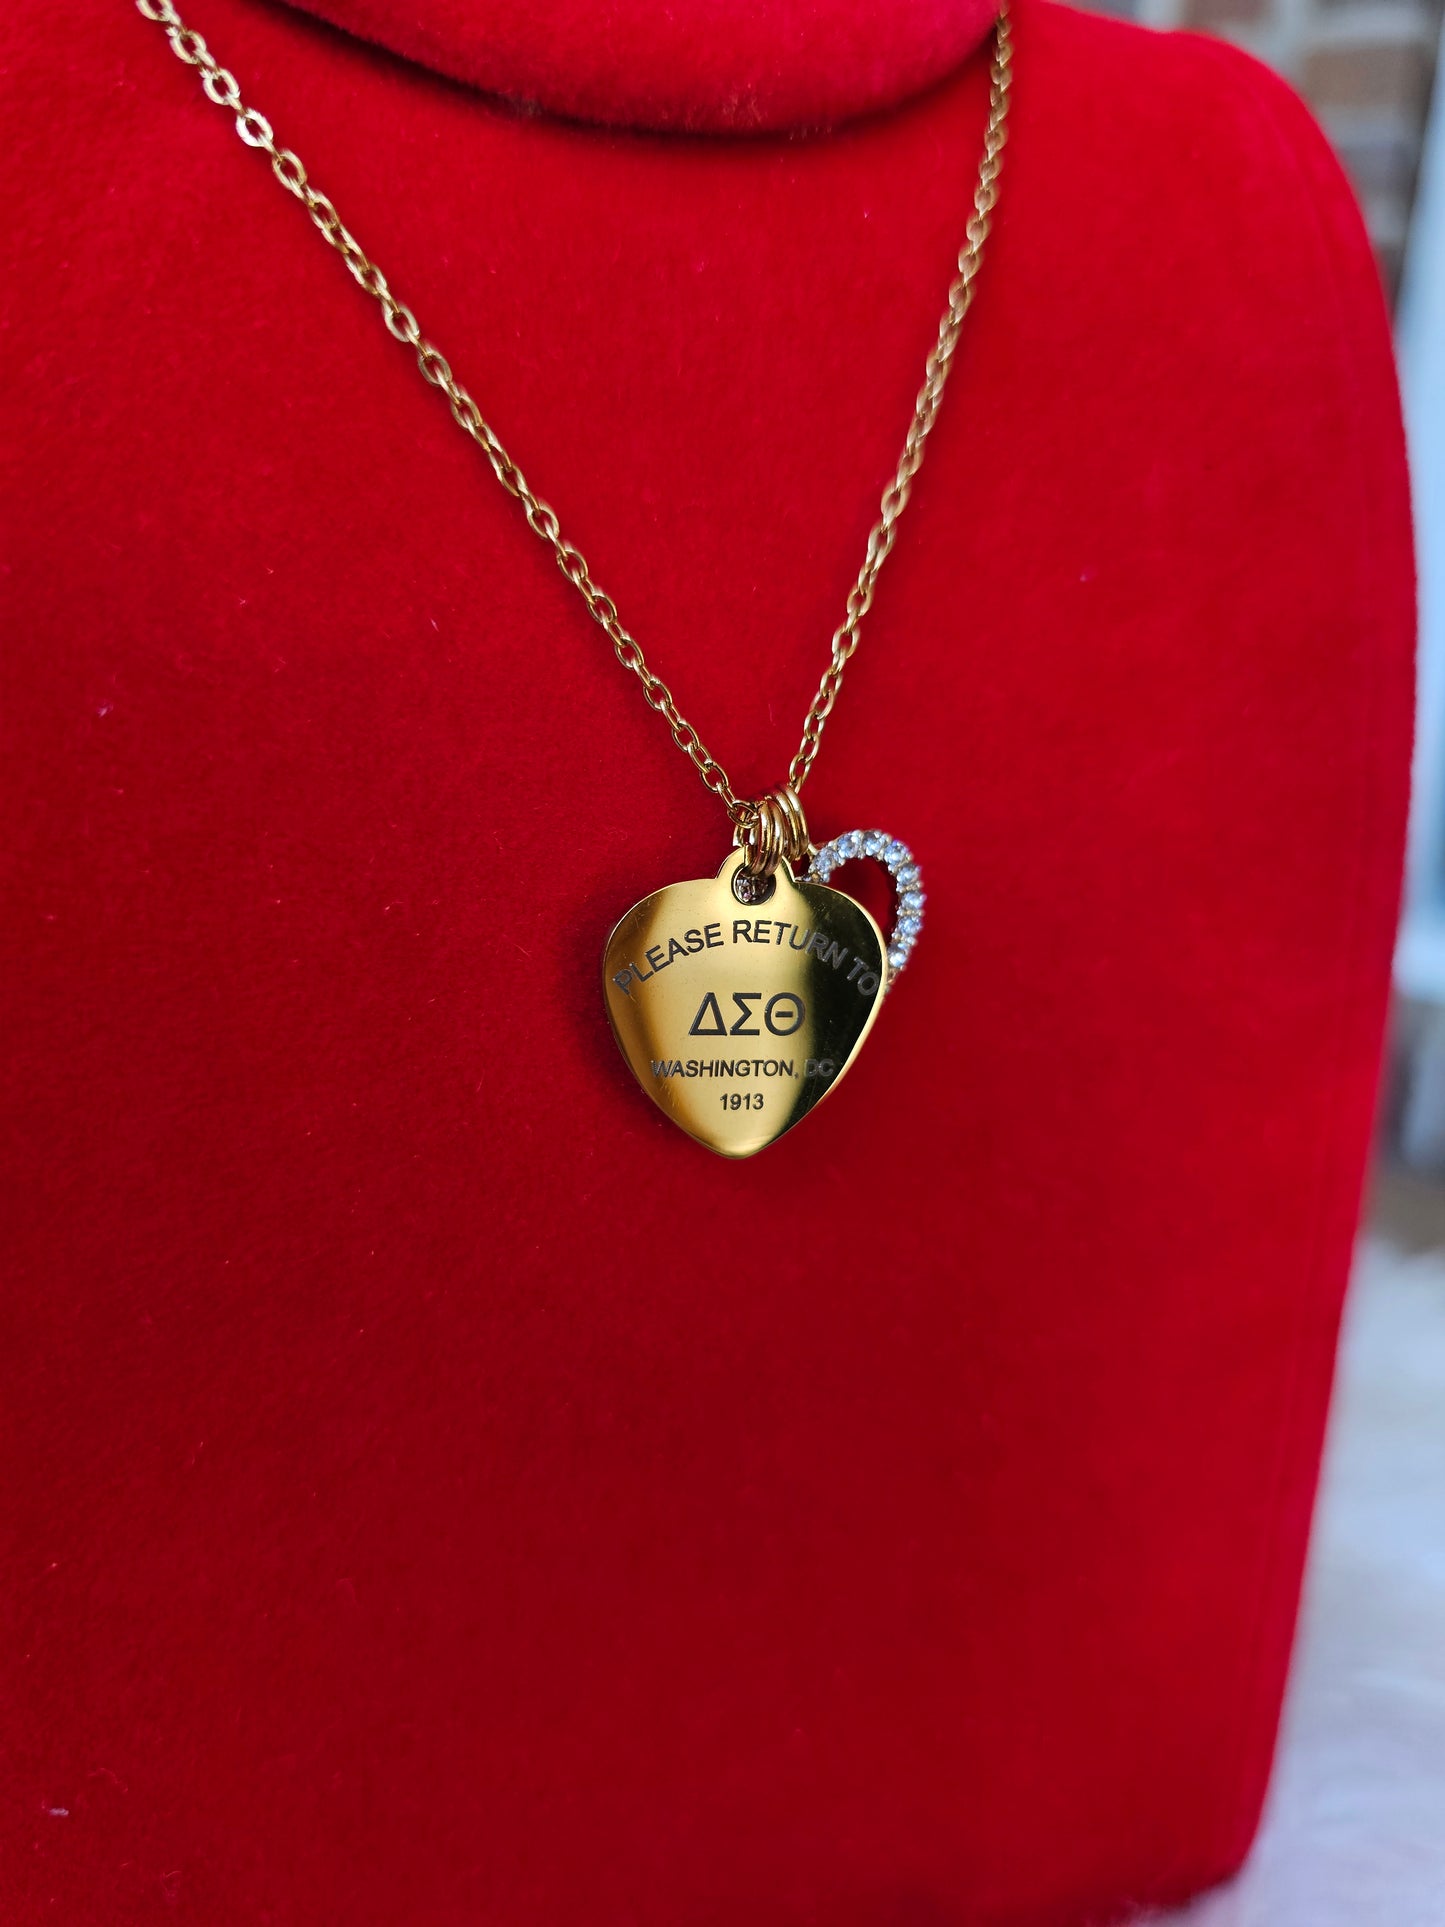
(740, 1001)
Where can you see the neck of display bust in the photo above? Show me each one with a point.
(732, 67)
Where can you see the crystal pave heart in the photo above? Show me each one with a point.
(898, 860)
(735, 1017)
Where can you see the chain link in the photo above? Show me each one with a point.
(222, 87)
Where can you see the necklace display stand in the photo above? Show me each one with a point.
(441, 1492)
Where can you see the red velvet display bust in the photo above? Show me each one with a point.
(440, 1493)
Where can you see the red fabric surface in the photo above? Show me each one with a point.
(704, 65)
(437, 1491)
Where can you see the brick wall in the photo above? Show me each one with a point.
(1365, 66)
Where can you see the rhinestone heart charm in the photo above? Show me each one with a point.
(898, 860)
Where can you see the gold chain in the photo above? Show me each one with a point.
(221, 86)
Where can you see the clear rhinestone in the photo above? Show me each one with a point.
(875, 843)
(911, 902)
(751, 889)
(908, 926)
(897, 956)
(909, 877)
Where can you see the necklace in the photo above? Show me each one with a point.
(735, 1025)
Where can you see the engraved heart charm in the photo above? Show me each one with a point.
(738, 1017)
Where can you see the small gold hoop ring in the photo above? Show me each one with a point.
(773, 831)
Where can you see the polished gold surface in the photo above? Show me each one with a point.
(738, 1017)
(222, 87)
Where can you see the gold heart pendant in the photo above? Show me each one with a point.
(739, 1002)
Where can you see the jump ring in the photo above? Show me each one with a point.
(773, 830)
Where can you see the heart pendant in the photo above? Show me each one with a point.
(739, 1007)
